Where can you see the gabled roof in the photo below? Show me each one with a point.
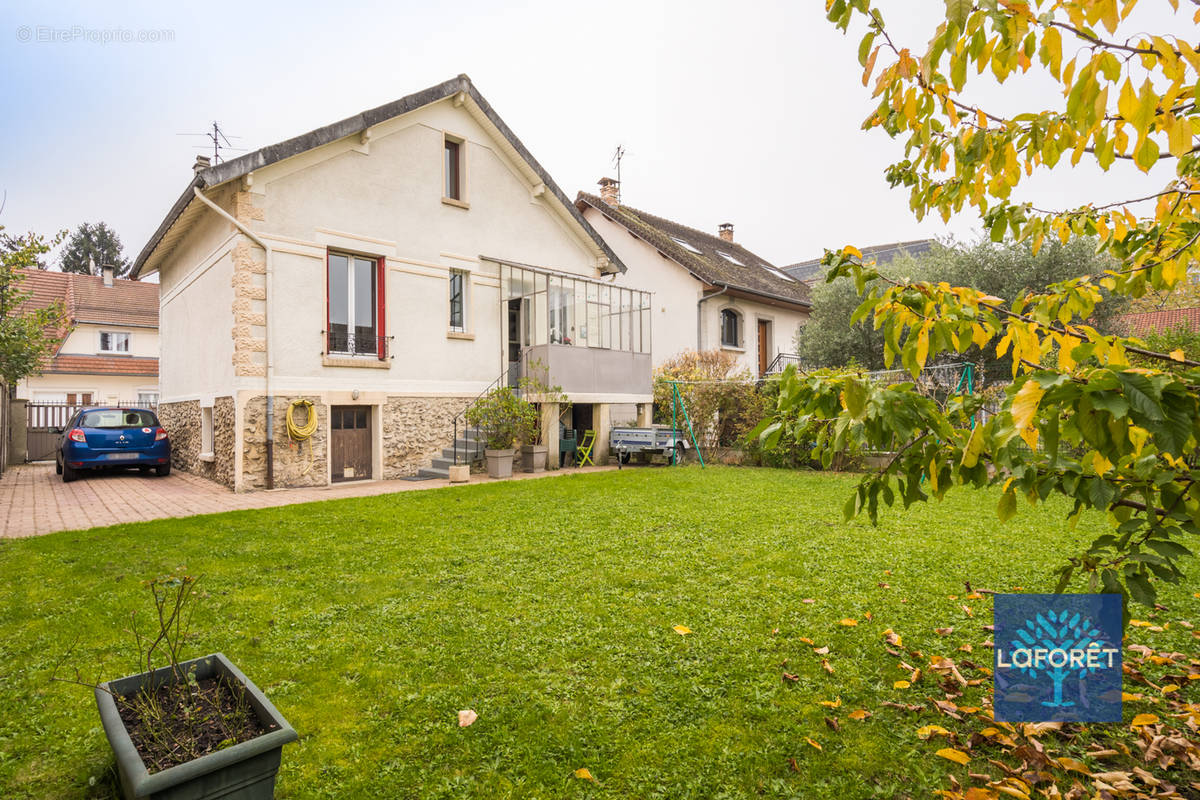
(1162, 321)
(245, 164)
(69, 364)
(86, 299)
(811, 271)
(709, 258)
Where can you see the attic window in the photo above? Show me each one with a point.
(730, 258)
(454, 171)
(780, 274)
(685, 245)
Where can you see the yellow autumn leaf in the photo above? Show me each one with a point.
(925, 731)
(584, 774)
(1025, 404)
(1072, 764)
(848, 622)
(1170, 687)
(832, 703)
(1126, 697)
(1144, 719)
(1178, 355)
(901, 685)
(813, 743)
(957, 756)
(682, 630)
(851, 250)
(859, 714)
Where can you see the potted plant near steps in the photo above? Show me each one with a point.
(503, 417)
(191, 729)
(535, 387)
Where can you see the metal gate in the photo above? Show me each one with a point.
(42, 424)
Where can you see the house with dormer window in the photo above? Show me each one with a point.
(381, 272)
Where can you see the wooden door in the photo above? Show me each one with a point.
(764, 337)
(350, 443)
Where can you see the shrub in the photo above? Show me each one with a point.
(723, 401)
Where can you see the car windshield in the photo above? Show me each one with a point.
(117, 418)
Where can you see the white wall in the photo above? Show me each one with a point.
(676, 292)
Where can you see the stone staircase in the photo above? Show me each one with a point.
(470, 448)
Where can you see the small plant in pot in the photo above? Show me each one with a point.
(535, 387)
(189, 729)
(504, 418)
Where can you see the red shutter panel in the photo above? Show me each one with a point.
(381, 306)
(328, 324)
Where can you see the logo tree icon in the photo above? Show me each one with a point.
(1057, 637)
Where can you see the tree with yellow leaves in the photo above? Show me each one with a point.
(1078, 419)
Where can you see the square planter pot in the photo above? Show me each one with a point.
(499, 463)
(244, 771)
(533, 458)
(459, 473)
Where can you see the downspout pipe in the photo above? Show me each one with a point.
(267, 319)
(700, 315)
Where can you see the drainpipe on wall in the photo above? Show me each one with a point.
(270, 361)
(699, 315)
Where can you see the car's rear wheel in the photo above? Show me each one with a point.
(162, 470)
(57, 466)
(68, 474)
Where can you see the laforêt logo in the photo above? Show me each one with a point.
(1058, 657)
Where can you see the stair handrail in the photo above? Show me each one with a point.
(493, 385)
(788, 358)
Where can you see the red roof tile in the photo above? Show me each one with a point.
(87, 299)
(1167, 319)
(103, 365)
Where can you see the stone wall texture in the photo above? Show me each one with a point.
(293, 464)
(182, 421)
(415, 429)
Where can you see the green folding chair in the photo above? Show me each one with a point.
(583, 455)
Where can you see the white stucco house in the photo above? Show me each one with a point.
(708, 291)
(387, 268)
(108, 351)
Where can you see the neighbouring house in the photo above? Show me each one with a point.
(709, 292)
(387, 268)
(109, 348)
(811, 271)
(1161, 321)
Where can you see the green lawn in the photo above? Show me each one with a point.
(548, 607)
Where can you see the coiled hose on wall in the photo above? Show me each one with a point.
(302, 433)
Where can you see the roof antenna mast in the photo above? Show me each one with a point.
(220, 141)
(617, 156)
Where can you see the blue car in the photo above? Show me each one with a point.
(113, 437)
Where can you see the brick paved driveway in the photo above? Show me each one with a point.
(33, 500)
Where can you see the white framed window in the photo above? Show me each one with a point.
(114, 341)
(731, 328)
(459, 280)
(206, 431)
(355, 310)
(147, 397)
(454, 170)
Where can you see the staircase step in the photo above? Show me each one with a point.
(433, 472)
(443, 463)
(464, 453)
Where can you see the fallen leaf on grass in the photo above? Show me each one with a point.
(1144, 719)
(832, 723)
(1170, 687)
(967, 610)
(884, 586)
(980, 793)
(787, 676)
(821, 651)
(682, 630)
(901, 685)
(943, 631)
(832, 703)
(974, 596)
(825, 666)
(859, 714)
(925, 731)
(892, 638)
(808, 600)
(1074, 765)
(902, 706)
(584, 774)
(466, 717)
(847, 621)
(957, 756)
(806, 640)
(813, 743)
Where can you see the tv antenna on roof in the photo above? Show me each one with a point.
(220, 141)
(617, 156)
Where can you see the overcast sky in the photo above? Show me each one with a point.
(743, 112)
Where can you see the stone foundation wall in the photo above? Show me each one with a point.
(415, 429)
(182, 421)
(293, 464)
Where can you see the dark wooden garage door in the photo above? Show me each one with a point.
(350, 443)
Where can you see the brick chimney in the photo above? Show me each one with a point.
(725, 231)
(202, 163)
(609, 191)
(109, 272)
